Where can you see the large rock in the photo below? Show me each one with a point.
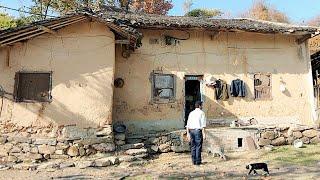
(315, 140)
(127, 158)
(47, 141)
(305, 140)
(3, 139)
(134, 152)
(32, 157)
(106, 131)
(154, 148)
(289, 140)
(46, 149)
(66, 165)
(84, 164)
(264, 142)
(297, 134)
(103, 162)
(74, 133)
(73, 151)
(310, 133)
(279, 141)
(19, 139)
(164, 148)
(62, 146)
(103, 147)
(132, 146)
(268, 135)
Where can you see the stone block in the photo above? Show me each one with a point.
(62, 146)
(103, 162)
(305, 140)
(66, 165)
(279, 141)
(59, 156)
(164, 148)
(75, 133)
(84, 164)
(315, 140)
(103, 147)
(154, 148)
(15, 149)
(46, 149)
(3, 139)
(132, 146)
(25, 147)
(34, 150)
(297, 134)
(73, 151)
(268, 135)
(59, 151)
(12, 159)
(134, 152)
(106, 131)
(19, 139)
(95, 140)
(127, 158)
(289, 140)
(47, 141)
(310, 133)
(82, 151)
(264, 142)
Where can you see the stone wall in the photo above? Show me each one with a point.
(286, 135)
(18, 144)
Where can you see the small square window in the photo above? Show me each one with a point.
(163, 87)
(33, 86)
(262, 86)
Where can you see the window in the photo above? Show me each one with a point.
(163, 87)
(262, 86)
(33, 86)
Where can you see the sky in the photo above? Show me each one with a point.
(297, 10)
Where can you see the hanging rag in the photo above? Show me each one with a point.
(221, 90)
(238, 88)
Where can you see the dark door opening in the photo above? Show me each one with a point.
(192, 94)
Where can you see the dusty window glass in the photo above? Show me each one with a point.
(163, 86)
(33, 86)
(262, 86)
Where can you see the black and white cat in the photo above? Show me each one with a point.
(255, 166)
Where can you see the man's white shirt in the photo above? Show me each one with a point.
(196, 119)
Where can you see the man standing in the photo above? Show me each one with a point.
(195, 132)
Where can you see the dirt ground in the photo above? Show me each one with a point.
(284, 163)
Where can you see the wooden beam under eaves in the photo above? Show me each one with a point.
(303, 39)
(48, 30)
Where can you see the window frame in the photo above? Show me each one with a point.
(159, 100)
(262, 86)
(17, 83)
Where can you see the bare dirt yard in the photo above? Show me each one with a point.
(284, 162)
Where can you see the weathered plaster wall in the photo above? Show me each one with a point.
(81, 58)
(227, 56)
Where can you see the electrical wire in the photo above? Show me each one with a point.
(19, 10)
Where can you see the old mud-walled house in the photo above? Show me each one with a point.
(91, 69)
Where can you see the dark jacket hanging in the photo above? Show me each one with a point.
(221, 90)
(238, 88)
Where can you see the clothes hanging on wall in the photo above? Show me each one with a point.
(238, 88)
(221, 90)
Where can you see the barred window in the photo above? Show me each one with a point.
(33, 86)
(163, 87)
(262, 86)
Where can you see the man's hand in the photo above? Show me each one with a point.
(204, 135)
(188, 136)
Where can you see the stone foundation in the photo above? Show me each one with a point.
(286, 135)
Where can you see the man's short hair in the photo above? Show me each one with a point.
(198, 104)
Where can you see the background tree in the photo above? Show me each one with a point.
(206, 13)
(262, 11)
(152, 6)
(6, 21)
(187, 6)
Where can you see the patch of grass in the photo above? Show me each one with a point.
(288, 155)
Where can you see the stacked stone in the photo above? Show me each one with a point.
(285, 136)
(162, 142)
(73, 142)
(120, 139)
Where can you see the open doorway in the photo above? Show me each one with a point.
(192, 94)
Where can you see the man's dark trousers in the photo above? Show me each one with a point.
(196, 145)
